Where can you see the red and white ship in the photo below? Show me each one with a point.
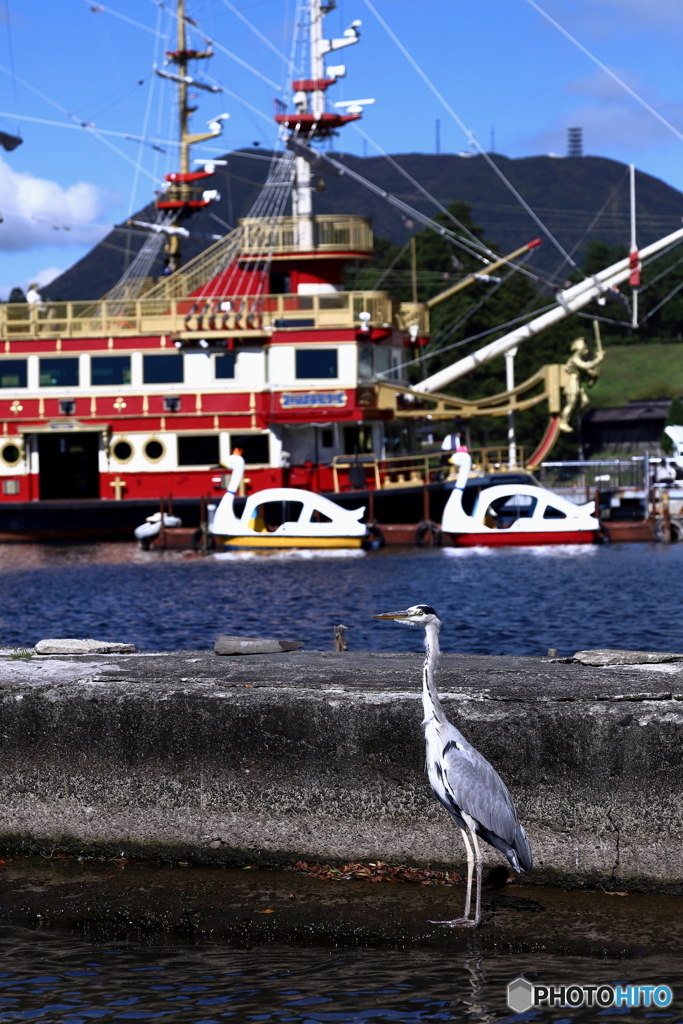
(108, 406)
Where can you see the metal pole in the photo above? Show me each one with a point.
(413, 268)
(634, 279)
(509, 384)
(570, 300)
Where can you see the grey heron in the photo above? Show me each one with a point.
(462, 779)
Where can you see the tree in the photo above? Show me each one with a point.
(17, 295)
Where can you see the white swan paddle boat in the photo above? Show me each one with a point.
(272, 518)
(515, 515)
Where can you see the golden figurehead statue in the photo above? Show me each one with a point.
(581, 373)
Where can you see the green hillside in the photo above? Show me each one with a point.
(639, 371)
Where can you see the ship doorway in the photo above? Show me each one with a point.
(69, 465)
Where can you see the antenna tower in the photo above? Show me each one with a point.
(574, 141)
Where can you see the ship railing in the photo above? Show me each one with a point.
(580, 479)
(418, 470)
(244, 313)
(330, 233)
(256, 236)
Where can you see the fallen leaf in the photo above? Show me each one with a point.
(291, 896)
(265, 911)
(110, 876)
(247, 686)
(607, 893)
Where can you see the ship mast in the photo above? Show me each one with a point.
(181, 195)
(311, 120)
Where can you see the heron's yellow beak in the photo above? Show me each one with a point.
(393, 615)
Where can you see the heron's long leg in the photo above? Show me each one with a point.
(480, 859)
(470, 867)
(466, 921)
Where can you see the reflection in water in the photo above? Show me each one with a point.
(521, 601)
(53, 978)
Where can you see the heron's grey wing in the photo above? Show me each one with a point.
(478, 790)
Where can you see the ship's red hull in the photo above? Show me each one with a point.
(505, 539)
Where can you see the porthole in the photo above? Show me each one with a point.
(11, 454)
(154, 449)
(122, 450)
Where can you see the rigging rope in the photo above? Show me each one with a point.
(470, 135)
(401, 170)
(130, 284)
(604, 68)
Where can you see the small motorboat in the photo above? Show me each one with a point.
(284, 517)
(515, 514)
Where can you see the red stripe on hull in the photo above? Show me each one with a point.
(505, 539)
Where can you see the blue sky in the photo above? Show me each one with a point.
(498, 63)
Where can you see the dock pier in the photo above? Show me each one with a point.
(269, 759)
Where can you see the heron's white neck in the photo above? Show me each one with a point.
(430, 697)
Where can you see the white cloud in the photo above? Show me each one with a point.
(43, 277)
(39, 212)
(646, 10)
(600, 86)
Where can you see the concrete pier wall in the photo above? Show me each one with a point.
(270, 758)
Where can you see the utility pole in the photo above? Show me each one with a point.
(438, 136)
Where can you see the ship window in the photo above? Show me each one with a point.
(154, 450)
(365, 369)
(271, 514)
(554, 513)
(198, 450)
(505, 511)
(13, 373)
(166, 369)
(58, 373)
(225, 365)
(327, 438)
(110, 370)
(122, 451)
(279, 282)
(255, 447)
(316, 363)
(319, 517)
(357, 440)
(11, 454)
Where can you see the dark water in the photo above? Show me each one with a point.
(520, 601)
(50, 978)
(491, 602)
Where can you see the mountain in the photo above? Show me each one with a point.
(567, 194)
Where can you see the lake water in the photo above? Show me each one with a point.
(61, 979)
(491, 602)
(521, 601)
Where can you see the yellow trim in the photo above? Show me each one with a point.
(272, 541)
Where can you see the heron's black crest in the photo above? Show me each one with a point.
(426, 609)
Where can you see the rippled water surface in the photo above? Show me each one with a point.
(491, 602)
(49, 978)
